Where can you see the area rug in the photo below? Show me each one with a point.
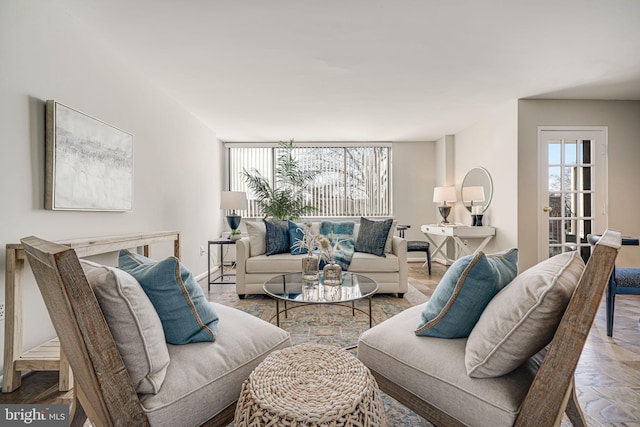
(335, 325)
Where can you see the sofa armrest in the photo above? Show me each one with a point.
(399, 249)
(243, 252)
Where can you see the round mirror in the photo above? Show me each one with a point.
(477, 189)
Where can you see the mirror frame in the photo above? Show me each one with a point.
(478, 176)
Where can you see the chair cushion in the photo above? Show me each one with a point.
(185, 313)
(134, 324)
(627, 277)
(433, 369)
(373, 236)
(257, 231)
(277, 237)
(523, 317)
(204, 378)
(463, 293)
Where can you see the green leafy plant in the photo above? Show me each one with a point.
(286, 198)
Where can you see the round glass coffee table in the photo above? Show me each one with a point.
(291, 288)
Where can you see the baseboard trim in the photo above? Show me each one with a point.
(204, 274)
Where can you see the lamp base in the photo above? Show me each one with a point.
(233, 221)
(476, 220)
(444, 212)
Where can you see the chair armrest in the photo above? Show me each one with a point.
(399, 249)
(243, 252)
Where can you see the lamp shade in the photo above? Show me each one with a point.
(234, 200)
(473, 194)
(444, 194)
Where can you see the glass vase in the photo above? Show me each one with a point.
(310, 269)
(332, 273)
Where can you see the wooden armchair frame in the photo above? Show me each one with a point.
(103, 389)
(553, 390)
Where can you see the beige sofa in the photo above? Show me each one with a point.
(252, 270)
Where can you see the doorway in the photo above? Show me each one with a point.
(572, 186)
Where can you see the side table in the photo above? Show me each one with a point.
(219, 279)
(458, 234)
(310, 385)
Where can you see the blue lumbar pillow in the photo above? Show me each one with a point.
(185, 313)
(464, 291)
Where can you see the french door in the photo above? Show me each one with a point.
(572, 188)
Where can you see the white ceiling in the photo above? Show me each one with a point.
(369, 70)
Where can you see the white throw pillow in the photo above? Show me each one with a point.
(134, 324)
(522, 318)
(257, 231)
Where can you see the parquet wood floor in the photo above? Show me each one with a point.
(607, 377)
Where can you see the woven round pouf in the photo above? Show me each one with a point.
(310, 385)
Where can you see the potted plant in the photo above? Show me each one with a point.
(285, 199)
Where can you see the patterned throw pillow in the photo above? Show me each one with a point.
(277, 237)
(185, 313)
(373, 235)
(342, 231)
(295, 234)
(464, 291)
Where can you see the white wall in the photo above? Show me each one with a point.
(623, 121)
(414, 176)
(492, 143)
(45, 54)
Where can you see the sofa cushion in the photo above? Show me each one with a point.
(185, 313)
(373, 236)
(204, 378)
(368, 263)
(134, 324)
(434, 370)
(257, 231)
(276, 264)
(523, 317)
(463, 293)
(276, 237)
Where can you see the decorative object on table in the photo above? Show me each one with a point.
(232, 200)
(331, 272)
(235, 234)
(444, 195)
(475, 196)
(286, 198)
(89, 163)
(306, 243)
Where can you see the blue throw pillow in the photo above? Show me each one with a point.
(372, 236)
(277, 237)
(295, 234)
(185, 313)
(463, 293)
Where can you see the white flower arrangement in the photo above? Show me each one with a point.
(328, 249)
(309, 241)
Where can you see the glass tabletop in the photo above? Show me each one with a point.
(291, 287)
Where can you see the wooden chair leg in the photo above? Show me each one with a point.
(573, 410)
(78, 416)
(610, 302)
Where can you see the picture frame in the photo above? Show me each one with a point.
(89, 163)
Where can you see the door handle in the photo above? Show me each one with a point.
(546, 209)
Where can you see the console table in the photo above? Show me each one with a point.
(458, 234)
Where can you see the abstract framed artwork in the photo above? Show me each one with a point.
(89, 163)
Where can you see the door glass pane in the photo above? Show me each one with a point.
(586, 179)
(555, 203)
(555, 183)
(555, 148)
(555, 232)
(585, 152)
(570, 152)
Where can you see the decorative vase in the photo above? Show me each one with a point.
(310, 269)
(331, 292)
(332, 273)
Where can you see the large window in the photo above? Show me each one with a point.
(350, 180)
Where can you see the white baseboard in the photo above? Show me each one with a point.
(204, 275)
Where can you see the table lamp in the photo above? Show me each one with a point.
(232, 200)
(444, 195)
(474, 195)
